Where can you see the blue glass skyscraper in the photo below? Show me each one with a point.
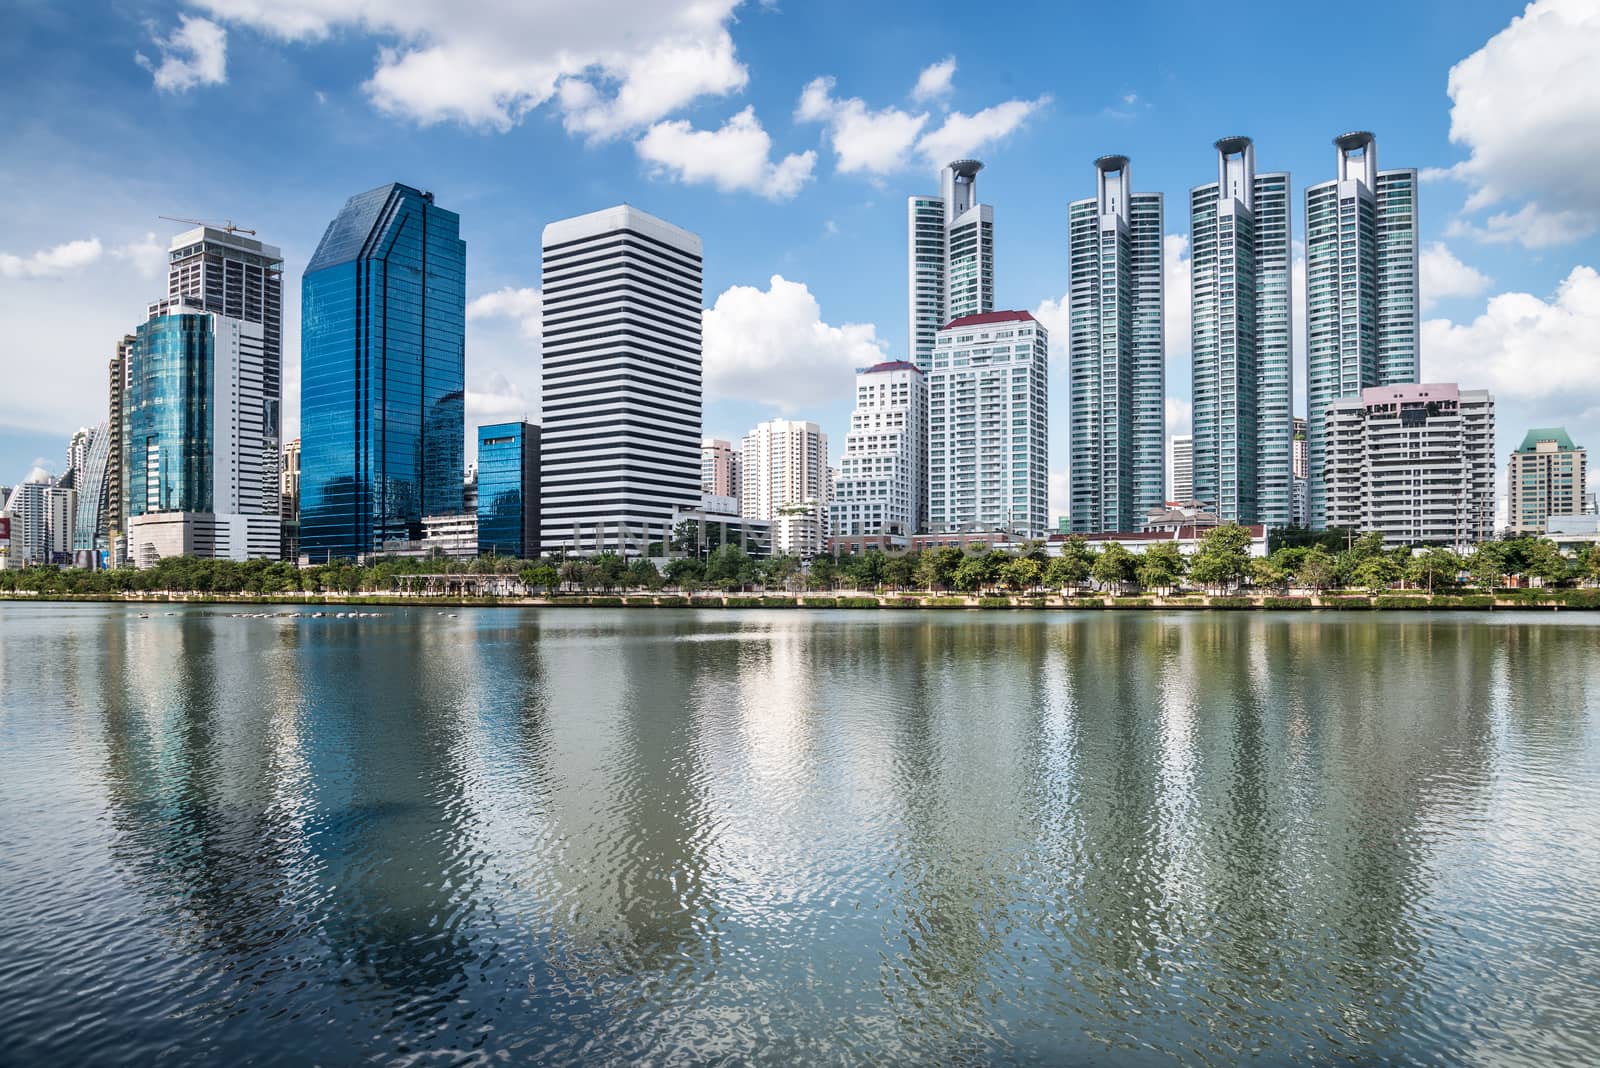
(383, 366)
(508, 490)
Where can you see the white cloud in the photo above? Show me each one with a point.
(38, 474)
(524, 306)
(1523, 347)
(1179, 417)
(885, 140)
(51, 262)
(771, 346)
(1444, 276)
(934, 83)
(1175, 281)
(195, 54)
(1060, 495)
(610, 66)
(148, 255)
(1056, 315)
(497, 401)
(1527, 107)
(864, 141)
(736, 157)
(1531, 227)
(967, 135)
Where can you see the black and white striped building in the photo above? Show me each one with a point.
(621, 382)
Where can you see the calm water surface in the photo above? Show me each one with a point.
(849, 837)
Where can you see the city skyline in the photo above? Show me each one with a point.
(847, 278)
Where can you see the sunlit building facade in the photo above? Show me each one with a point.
(508, 490)
(949, 255)
(621, 381)
(1413, 462)
(1363, 322)
(1240, 336)
(382, 374)
(1116, 354)
(988, 426)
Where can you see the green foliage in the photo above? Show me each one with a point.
(1115, 567)
(1376, 573)
(1222, 559)
(820, 602)
(1022, 574)
(1435, 569)
(1401, 601)
(944, 602)
(995, 602)
(857, 602)
(1073, 567)
(1160, 566)
(1232, 602)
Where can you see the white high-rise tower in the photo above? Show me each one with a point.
(1116, 354)
(1362, 306)
(621, 404)
(950, 257)
(1243, 382)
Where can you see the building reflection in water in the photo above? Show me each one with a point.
(794, 836)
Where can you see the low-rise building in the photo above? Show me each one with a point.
(1178, 514)
(1187, 538)
(697, 532)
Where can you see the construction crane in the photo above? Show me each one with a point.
(228, 226)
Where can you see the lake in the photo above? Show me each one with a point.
(680, 836)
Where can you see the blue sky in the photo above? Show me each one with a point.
(709, 113)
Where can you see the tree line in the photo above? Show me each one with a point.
(1221, 564)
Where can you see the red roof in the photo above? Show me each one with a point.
(989, 317)
(888, 365)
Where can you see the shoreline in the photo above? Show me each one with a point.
(1504, 600)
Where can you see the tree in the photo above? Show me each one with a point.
(685, 572)
(900, 572)
(1223, 559)
(776, 571)
(974, 573)
(1115, 567)
(1546, 563)
(1073, 567)
(1267, 573)
(542, 574)
(1435, 568)
(936, 569)
(1318, 570)
(1590, 569)
(642, 575)
(608, 571)
(1161, 565)
(1488, 565)
(1022, 574)
(1376, 573)
(728, 567)
(822, 574)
